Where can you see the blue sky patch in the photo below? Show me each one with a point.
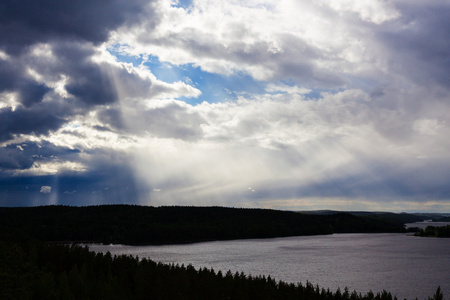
(214, 87)
(121, 57)
(182, 3)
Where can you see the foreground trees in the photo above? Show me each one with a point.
(33, 269)
(36, 270)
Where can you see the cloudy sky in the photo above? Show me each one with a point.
(293, 105)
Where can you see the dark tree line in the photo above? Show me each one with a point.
(35, 270)
(129, 224)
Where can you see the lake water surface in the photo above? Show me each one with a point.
(406, 266)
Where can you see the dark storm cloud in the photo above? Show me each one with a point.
(86, 81)
(113, 184)
(8, 74)
(32, 93)
(94, 88)
(27, 122)
(24, 23)
(12, 78)
(425, 41)
(22, 156)
(107, 179)
(56, 39)
(11, 158)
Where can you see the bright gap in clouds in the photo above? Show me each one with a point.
(185, 4)
(214, 87)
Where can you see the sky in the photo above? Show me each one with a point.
(286, 104)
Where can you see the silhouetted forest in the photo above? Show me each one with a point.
(128, 224)
(31, 269)
(442, 219)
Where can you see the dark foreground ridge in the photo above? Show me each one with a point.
(31, 269)
(140, 225)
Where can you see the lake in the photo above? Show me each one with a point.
(406, 266)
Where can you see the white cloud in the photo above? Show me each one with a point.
(45, 189)
(52, 167)
(427, 126)
(8, 99)
(376, 11)
(278, 142)
(4, 55)
(314, 43)
(283, 88)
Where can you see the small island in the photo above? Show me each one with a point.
(434, 231)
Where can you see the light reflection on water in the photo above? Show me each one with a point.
(406, 266)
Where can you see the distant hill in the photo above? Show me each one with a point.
(400, 217)
(130, 224)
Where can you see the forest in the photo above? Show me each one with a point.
(144, 225)
(40, 258)
(31, 269)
